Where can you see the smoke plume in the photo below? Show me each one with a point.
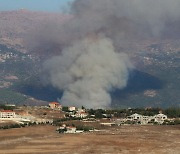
(87, 71)
(88, 62)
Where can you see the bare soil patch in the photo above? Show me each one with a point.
(123, 139)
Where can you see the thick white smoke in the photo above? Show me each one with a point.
(88, 67)
(87, 71)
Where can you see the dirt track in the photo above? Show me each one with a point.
(124, 139)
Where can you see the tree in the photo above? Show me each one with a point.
(65, 109)
(91, 112)
(99, 113)
(83, 107)
(173, 112)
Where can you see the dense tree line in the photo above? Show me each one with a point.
(173, 112)
(122, 113)
(11, 97)
(9, 126)
(4, 107)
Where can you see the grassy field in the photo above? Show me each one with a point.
(124, 139)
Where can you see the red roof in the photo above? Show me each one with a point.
(53, 103)
(7, 111)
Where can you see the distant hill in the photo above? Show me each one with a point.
(14, 25)
(154, 83)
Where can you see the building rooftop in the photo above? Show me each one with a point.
(54, 103)
(6, 111)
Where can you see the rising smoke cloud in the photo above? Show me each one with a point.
(88, 62)
(87, 71)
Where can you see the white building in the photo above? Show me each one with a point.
(7, 114)
(159, 118)
(72, 108)
(81, 114)
(71, 129)
(140, 118)
(146, 119)
(135, 116)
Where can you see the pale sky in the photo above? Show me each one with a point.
(37, 5)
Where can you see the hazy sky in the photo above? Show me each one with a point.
(40, 5)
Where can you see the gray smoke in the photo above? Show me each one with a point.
(126, 17)
(88, 62)
(120, 20)
(87, 71)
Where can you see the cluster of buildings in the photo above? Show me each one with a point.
(9, 115)
(80, 113)
(141, 119)
(72, 110)
(5, 56)
(23, 116)
(10, 55)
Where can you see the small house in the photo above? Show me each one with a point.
(135, 117)
(159, 118)
(81, 114)
(70, 129)
(72, 108)
(55, 106)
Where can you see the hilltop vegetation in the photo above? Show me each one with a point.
(8, 96)
(15, 67)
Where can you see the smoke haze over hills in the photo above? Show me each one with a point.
(87, 68)
(86, 56)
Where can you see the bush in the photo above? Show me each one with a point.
(65, 109)
(4, 107)
(175, 122)
(84, 128)
(173, 112)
